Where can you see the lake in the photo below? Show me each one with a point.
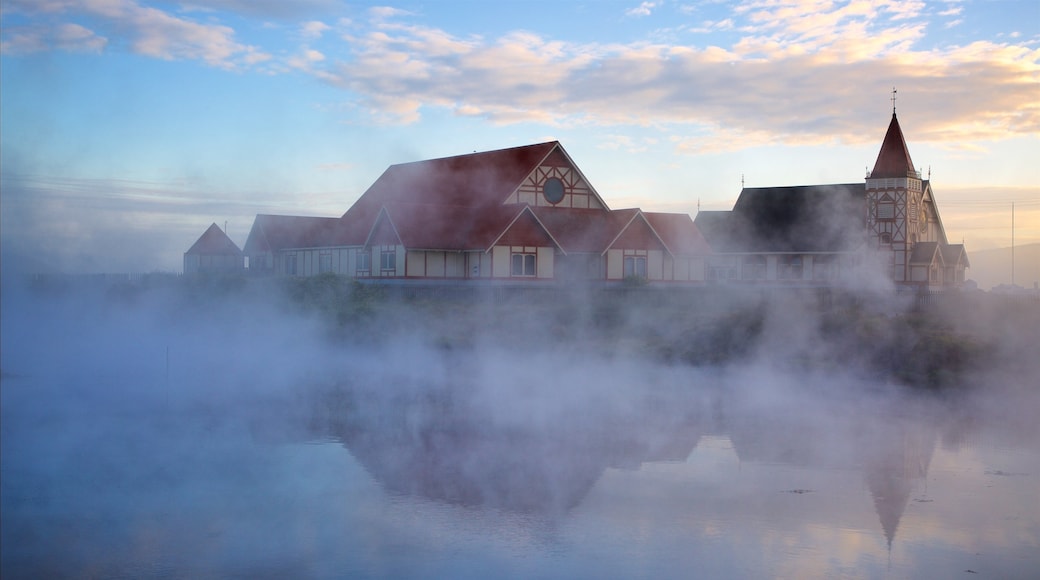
(158, 437)
(403, 474)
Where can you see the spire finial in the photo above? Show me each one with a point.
(893, 101)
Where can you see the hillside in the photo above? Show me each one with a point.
(991, 268)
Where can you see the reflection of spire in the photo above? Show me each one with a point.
(900, 458)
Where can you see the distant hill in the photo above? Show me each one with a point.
(991, 268)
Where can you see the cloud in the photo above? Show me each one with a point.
(69, 37)
(643, 9)
(794, 76)
(277, 9)
(145, 30)
(313, 29)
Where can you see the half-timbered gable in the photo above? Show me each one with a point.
(524, 250)
(557, 182)
(636, 251)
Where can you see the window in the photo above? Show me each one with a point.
(324, 262)
(553, 190)
(754, 268)
(523, 264)
(789, 268)
(824, 268)
(886, 209)
(885, 239)
(635, 266)
(364, 263)
(722, 269)
(290, 264)
(388, 261)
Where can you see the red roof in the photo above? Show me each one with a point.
(894, 159)
(678, 233)
(280, 232)
(460, 204)
(448, 227)
(214, 241)
(477, 179)
(583, 230)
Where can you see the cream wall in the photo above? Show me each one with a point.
(615, 264)
(544, 265)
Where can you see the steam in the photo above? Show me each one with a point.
(124, 398)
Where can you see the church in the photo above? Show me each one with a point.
(821, 234)
(528, 215)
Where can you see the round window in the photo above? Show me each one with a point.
(553, 190)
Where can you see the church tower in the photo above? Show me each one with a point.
(896, 216)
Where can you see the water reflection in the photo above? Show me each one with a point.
(436, 445)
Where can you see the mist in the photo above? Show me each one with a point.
(179, 426)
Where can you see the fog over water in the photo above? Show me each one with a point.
(193, 431)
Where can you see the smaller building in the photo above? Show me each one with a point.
(818, 234)
(213, 252)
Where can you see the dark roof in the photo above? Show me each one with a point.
(801, 218)
(894, 158)
(214, 242)
(953, 253)
(924, 253)
(280, 232)
(715, 226)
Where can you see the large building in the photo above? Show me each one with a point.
(816, 234)
(520, 214)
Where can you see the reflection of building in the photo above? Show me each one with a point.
(437, 447)
(213, 252)
(894, 458)
(813, 234)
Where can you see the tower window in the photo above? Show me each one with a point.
(886, 210)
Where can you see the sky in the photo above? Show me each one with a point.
(127, 127)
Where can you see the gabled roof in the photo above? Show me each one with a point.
(423, 226)
(801, 218)
(477, 179)
(717, 227)
(894, 158)
(925, 253)
(583, 230)
(678, 232)
(954, 253)
(214, 241)
(281, 232)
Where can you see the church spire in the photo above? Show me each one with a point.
(894, 158)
